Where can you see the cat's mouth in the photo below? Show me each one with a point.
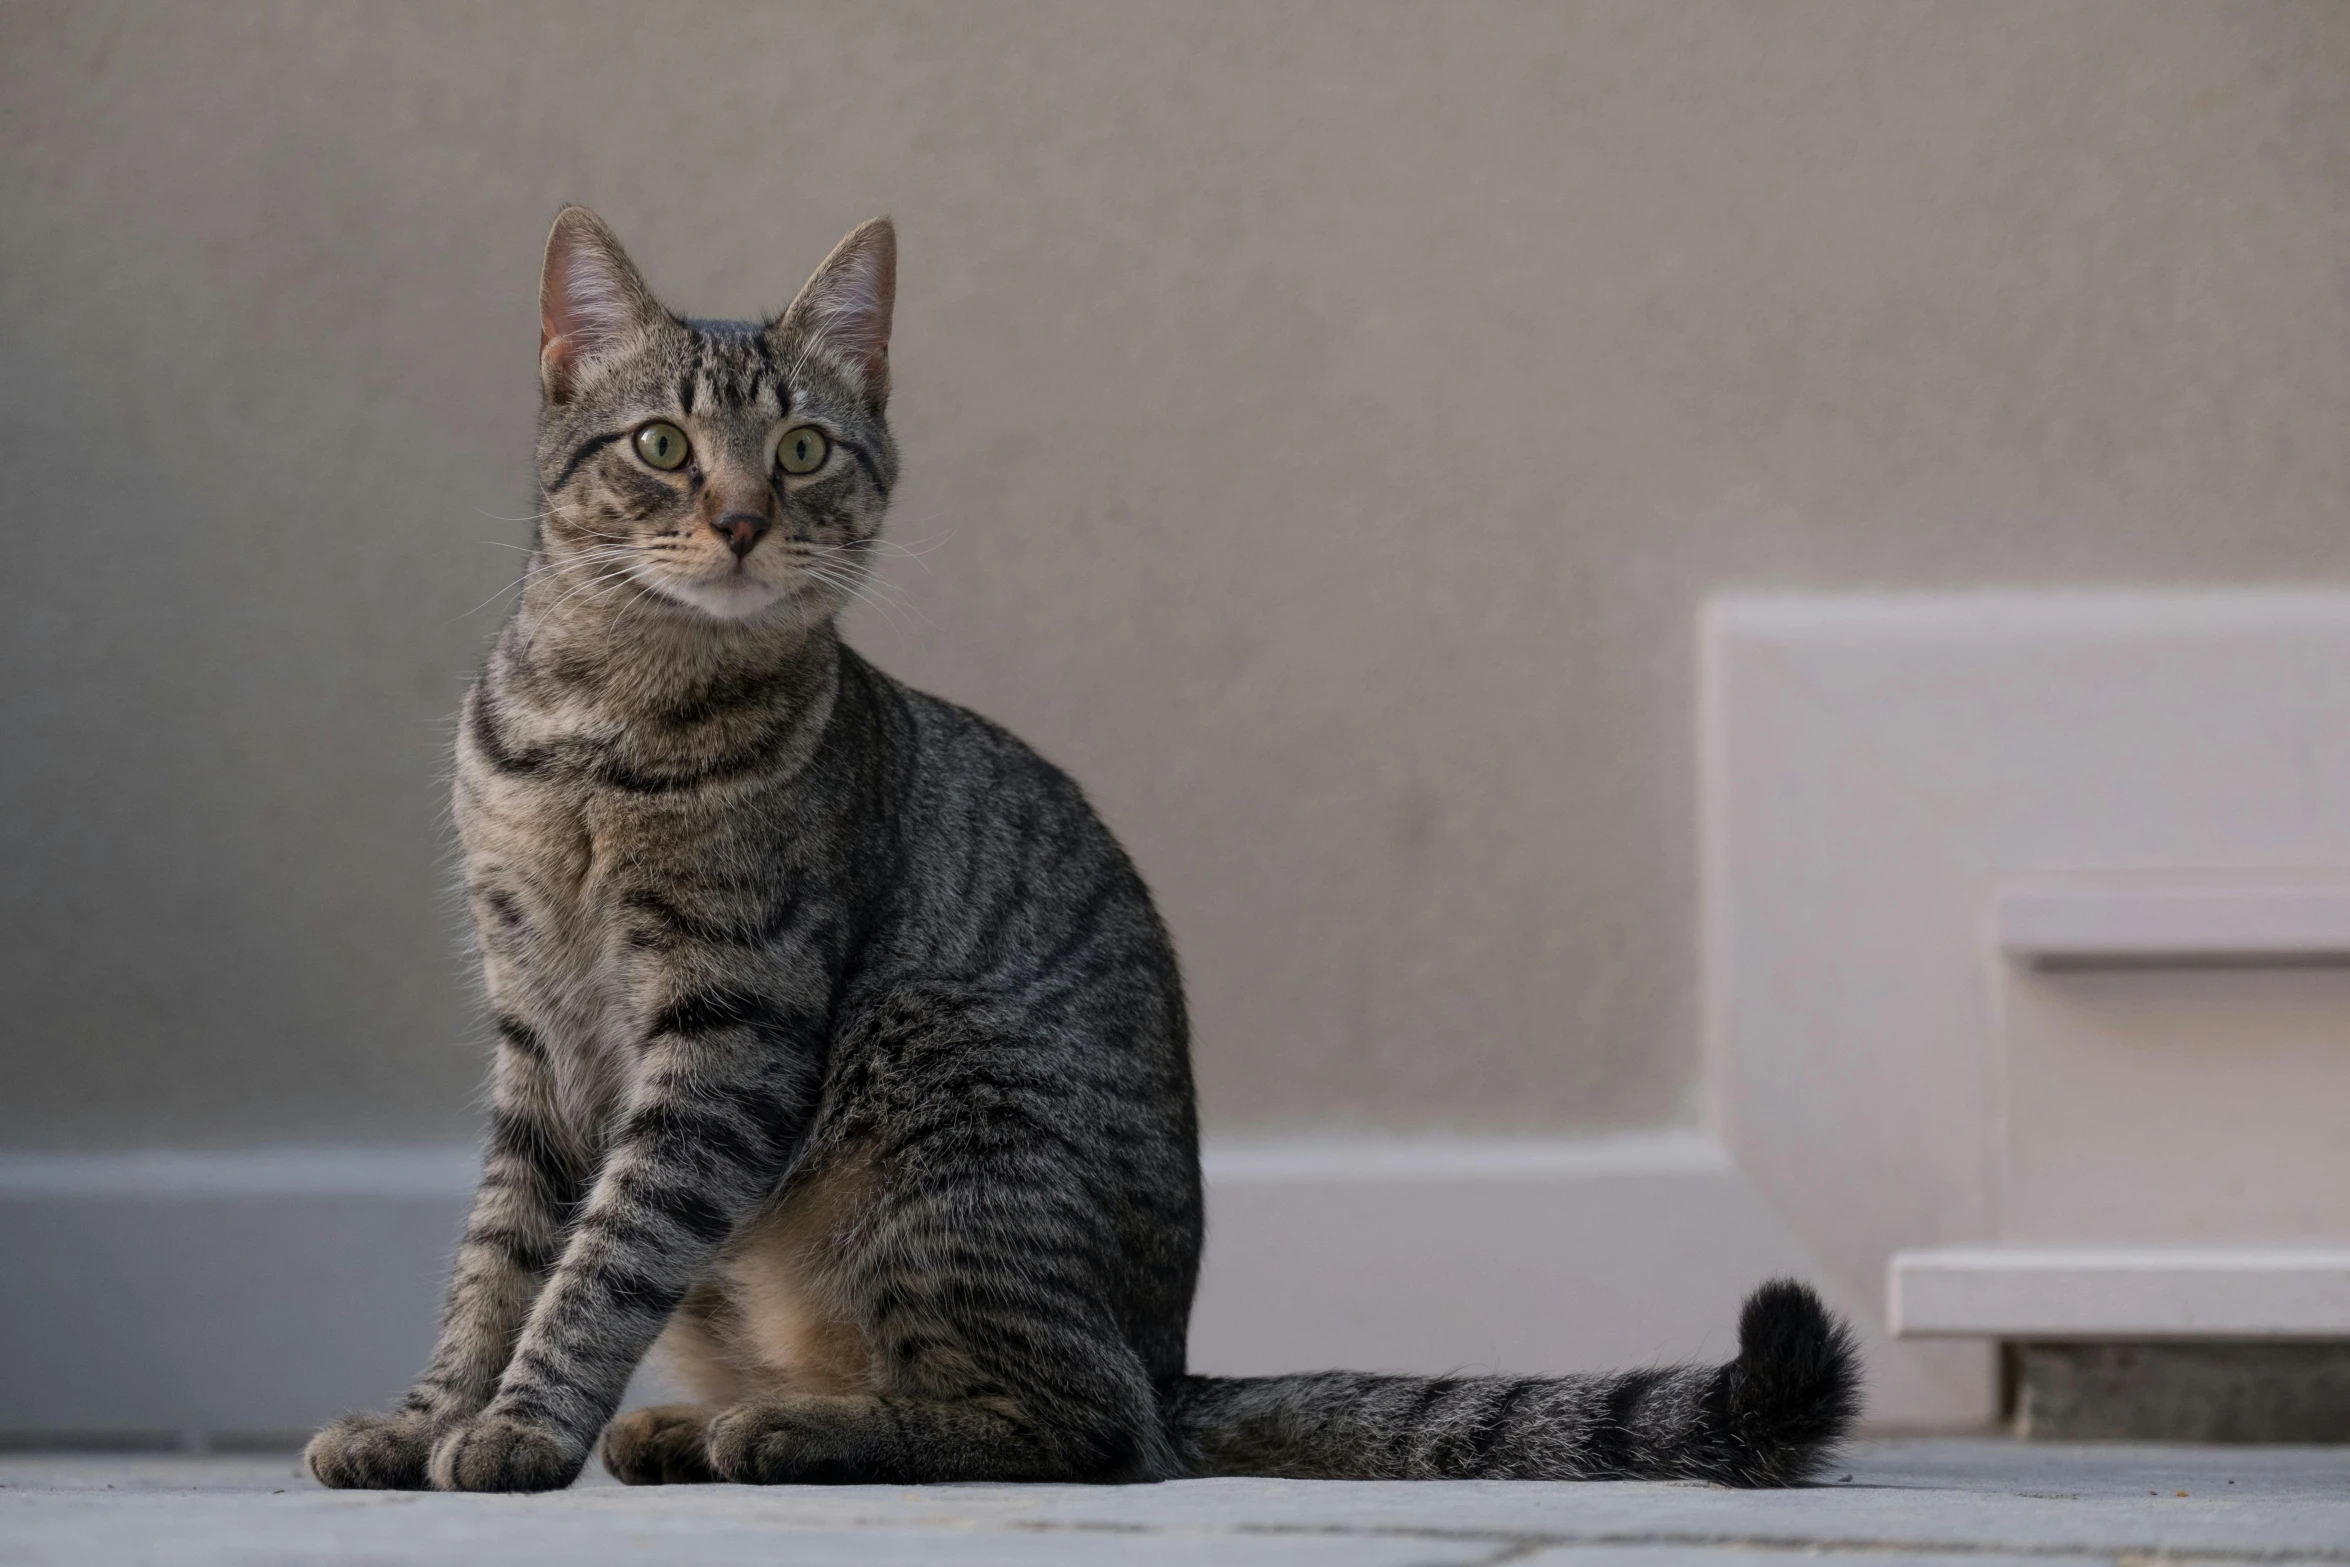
(733, 593)
(745, 588)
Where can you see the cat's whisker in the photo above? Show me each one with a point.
(840, 584)
(643, 592)
(581, 589)
(913, 551)
(866, 591)
(573, 586)
(842, 557)
(493, 598)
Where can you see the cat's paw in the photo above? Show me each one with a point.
(500, 1453)
(665, 1445)
(372, 1452)
(799, 1439)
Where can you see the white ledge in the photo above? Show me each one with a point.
(2030, 1293)
(2299, 921)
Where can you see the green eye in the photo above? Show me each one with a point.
(801, 450)
(662, 444)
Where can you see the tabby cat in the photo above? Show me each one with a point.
(839, 1045)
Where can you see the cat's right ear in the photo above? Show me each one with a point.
(848, 303)
(592, 300)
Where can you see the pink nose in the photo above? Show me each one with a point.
(741, 530)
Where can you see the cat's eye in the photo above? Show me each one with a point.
(801, 450)
(662, 444)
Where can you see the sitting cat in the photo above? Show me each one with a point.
(839, 1044)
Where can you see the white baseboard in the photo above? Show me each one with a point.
(236, 1296)
(247, 1294)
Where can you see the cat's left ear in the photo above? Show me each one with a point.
(592, 300)
(847, 305)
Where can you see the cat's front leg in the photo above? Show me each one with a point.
(728, 1088)
(531, 1179)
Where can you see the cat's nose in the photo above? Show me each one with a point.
(741, 530)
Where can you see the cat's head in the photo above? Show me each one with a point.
(738, 468)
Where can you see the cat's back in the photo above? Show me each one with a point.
(1007, 874)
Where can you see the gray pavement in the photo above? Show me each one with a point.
(1980, 1503)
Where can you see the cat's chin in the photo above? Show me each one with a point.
(727, 598)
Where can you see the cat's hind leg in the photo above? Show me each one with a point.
(984, 1349)
(987, 1351)
(984, 1263)
(830, 1439)
(834, 1439)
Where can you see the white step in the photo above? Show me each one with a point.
(2179, 919)
(2088, 1293)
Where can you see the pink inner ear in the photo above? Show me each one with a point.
(589, 305)
(589, 299)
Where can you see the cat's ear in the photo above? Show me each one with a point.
(592, 300)
(847, 305)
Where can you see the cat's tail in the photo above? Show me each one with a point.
(1770, 1417)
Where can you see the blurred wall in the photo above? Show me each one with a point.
(1322, 422)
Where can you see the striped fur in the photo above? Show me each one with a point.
(1767, 1418)
(840, 1047)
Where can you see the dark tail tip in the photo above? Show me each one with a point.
(1794, 1390)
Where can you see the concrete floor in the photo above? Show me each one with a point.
(1981, 1502)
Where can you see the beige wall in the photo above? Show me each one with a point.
(1322, 420)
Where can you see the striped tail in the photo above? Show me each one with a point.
(1770, 1417)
